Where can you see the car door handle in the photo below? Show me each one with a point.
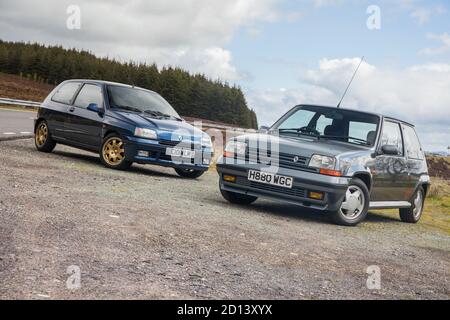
(72, 109)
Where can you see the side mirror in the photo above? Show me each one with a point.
(94, 108)
(390, 150)
(264, 129)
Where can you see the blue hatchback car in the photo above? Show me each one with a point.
(124, 124)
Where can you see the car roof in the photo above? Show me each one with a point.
(100, 82)
(364, 112)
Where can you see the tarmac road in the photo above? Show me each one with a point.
(146, 233)
(16, 123)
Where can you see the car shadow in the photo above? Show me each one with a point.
(376, 217)
(94, 159)
(291, 211)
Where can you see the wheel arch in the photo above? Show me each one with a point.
(364, 177)
(37, 121)
(110, 131)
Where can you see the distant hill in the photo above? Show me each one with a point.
(16, 87)
(439, 167)
(191, 95)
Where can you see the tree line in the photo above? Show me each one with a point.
(192, 95)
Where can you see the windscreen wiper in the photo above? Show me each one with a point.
(303, 130)
(345, 137)
(161, 114)
(128, 108)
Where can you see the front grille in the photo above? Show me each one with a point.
(184, 144)
(295, 191)
(285, 160)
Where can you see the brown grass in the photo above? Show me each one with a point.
(15, 87)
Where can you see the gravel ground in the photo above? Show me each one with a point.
(147, 234)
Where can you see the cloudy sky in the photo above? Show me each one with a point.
(281, 52)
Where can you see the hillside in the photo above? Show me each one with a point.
(192, 95)
(15, 87)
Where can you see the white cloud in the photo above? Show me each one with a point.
(294, 16)
(420, 11)
(323, 3)
(422, 15)
(444, 39)
(190, 33)
(418, 94)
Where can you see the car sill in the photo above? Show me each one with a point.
(389, 204)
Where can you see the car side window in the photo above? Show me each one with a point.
(412, 144)
(90, 93)
(66, 92)
(392, 136)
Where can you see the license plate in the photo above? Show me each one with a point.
(178, 152)
(270, 178)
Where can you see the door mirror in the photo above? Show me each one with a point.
(390, 150)
(264, 129)
(94, 108)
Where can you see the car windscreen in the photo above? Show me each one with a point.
(330, 123)
(139, 100)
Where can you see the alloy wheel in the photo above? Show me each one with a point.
(418, 204)
(353, 204)
(41, 134)
(113, 151)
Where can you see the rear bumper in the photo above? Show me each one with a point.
(334, 188)
(157, 155)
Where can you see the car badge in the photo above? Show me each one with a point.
(180, 138)
(296, 159)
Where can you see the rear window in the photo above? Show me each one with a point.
(66, 92)
(412, 144)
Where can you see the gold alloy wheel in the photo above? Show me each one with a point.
(41, 134)
(113, 151)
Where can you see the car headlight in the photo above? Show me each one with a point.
(145, 133)
(234, 147)
(206, 140)
(322, 162)
(325, 164)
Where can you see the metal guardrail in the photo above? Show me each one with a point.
(18, 102)
(27, 103)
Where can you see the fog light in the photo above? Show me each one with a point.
(228, 178)
(142, 153)
(315, 195)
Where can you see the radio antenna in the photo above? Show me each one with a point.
(351, 80)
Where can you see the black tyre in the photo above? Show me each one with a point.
(189, 173)
(112, 153)
(237, 198)
(42, 139)
(355, 205)
(413, 214)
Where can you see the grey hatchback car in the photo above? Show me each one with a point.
(340, 161)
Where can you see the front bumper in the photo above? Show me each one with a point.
(334, 188)
(157, 154)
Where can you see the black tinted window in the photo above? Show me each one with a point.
(392, 136)
(66, 92)
(90, 93)
(139, 100)
(330, 123)
(412, 144)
